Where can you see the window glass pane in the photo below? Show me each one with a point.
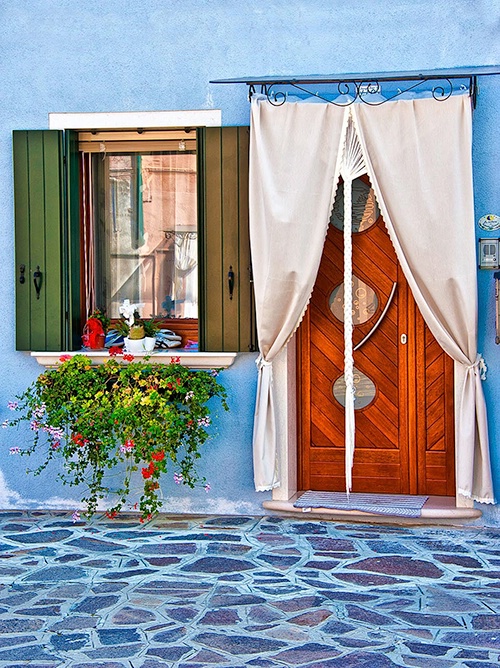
(145, 226)
(364, 390)
(365, 211)
(364, 302)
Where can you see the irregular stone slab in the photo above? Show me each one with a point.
(11, 571)
(118, 636)
(422, 619)
(337, 627)
(57, 574)
(69, 590)
(311, 618)
(484, 622)
(227, 548)
(92, 604)
(69, 641)
(182, 614)
(388, 547)
(345, 595)
(229, 521)
(204, 656)
(171, 653)
(306, 653)
(106, 664)
(86, 543)
(238, 645)
(296, 604)
(127, 575)
(29, 538)
(108, 587)
(229, 537)
(46, 611)
(220, 618)
(431, 649)
(274, 539)
(486, 639)
(322, 565)
(29, 653)
(170, 548)
(16, 640)
(162, 561)
(308, 528)
(359, 660)
(115, 652)
(172, 635)
(283, 563)
(365, 580)
(367, 616)
(398, 566)
(441, 546)
(458, 560)
(218, 565)
(20, 625)
(129, 615)
(223, 601)
(331, 544)
(71, 623)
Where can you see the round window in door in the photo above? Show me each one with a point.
(364, 390)
(364, 302)
(365, 211)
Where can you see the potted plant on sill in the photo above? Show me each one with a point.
(126, 418)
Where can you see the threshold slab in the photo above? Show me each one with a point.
(436, 510)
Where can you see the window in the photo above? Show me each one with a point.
(140, 222)
(99, 221)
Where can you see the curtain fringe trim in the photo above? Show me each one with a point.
(267, 488)
(489, 500)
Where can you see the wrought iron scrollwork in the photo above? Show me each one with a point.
(368, 92)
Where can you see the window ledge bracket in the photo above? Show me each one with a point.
(193, 360)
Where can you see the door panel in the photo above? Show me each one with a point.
(404, 418)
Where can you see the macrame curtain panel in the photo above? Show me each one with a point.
(418, 157)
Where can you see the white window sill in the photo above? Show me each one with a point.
(193, 360)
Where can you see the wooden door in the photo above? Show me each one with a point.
(404, 381)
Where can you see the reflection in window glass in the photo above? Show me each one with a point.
(364, 390)
(364, 302)
(365, 211)
(145, 222)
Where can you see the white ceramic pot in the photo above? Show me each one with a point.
(149, 343)
(133, 346)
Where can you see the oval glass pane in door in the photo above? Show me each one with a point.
(364, 302)
(364, 390)
(365, 211)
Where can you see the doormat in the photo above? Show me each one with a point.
(380, 504)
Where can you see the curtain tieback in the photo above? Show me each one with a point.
(480, 365)
(261, 362)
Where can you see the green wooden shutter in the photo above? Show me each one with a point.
(73, 243)
(38, 192)
(225, 324)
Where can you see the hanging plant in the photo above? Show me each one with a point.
(120, 416)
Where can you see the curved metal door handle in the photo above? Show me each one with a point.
(381, 317)
(37, 281)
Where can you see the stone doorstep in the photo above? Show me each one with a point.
(436, 510)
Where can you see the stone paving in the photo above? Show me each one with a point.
(187, 592)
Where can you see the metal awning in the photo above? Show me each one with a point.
(368, 86)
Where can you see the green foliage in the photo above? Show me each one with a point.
(121, 416)
(102, 317)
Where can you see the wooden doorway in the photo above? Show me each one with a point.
(404, 381)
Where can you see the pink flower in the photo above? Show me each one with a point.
(12, 405)
(207, 488)
(76, 516)
(65, 358)
(128, 446)
(178, 478)
(15, 451)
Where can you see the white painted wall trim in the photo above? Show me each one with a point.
(135, 119)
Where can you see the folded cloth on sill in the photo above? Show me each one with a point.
(165, 338)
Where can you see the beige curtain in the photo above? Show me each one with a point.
(418, 156)
(294, 167)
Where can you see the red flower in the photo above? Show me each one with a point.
(65, 358)
(111, 514)
(175, 360)
(170, 386)
(158, 456)
(128, 357)
(179, 381)
(148, 472)
(115, 350)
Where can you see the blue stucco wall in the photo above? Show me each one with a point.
(123, 55)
